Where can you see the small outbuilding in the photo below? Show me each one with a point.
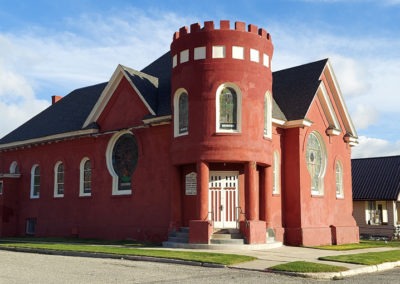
(376, 195)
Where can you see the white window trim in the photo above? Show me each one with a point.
(110, 167)
(56, 194)
(268, 116)
(339, 194)
(32, 196)
(177, 95)
(239, 108)
(320, 191)
(14, 167)
(276, 186)
(82, 178)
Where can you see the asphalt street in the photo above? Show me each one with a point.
(16, 267)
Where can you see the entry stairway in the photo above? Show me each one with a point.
(220, 239)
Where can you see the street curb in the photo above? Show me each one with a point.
(342, 274)
(115, 256)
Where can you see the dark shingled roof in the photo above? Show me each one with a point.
(294, 88)
(67, 115)
(376, 178)
(146, 84)
(293, 91)
(162, 69)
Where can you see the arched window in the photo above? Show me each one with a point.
(339, 179)
(181, 113)
(316, 162)
(268, 115)
(276, 188)
(122, 158)
(59, 180)
(14, 169)
(35, 182)
(228, 108)
(85, 185)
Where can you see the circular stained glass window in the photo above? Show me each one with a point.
(124, 160)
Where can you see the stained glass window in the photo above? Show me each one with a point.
(315, 158)
(124, 160)
(183, 113)
(87, 177)
(228, 109)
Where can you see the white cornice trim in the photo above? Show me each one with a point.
(292, 123)
(50, 138)
(166, 119)
(277, 121)
(10, 175)
(298, 123)
(338, 97)
(328, 108)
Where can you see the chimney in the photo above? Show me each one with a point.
(55, 99)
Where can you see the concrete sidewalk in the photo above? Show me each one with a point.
(269, 257)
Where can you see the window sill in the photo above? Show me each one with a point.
(317, 195)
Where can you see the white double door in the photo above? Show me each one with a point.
(223, 198)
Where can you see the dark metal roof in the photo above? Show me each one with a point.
(294, 89)
(67, 115)
(376, 178)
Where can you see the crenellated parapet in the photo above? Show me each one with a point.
(247, 43)
(224, 25)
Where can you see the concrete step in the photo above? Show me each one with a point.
(178, 240)
(227, 241)
(182, 235)
(227, 236)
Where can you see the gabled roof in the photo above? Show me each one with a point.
(293, 92)
(294, 88)
(67, 115)
(376, 178)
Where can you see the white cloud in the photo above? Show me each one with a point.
(375, 147)
(364, 116)
(39, 60)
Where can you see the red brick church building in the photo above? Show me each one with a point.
(206, 137)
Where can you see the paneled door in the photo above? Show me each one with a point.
(223, 198)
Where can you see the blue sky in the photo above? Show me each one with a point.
(52, 47)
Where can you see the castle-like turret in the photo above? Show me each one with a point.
(221, 93)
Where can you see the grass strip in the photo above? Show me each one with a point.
(368, 258)
(204, 257)
(362, 245)
(307, 267)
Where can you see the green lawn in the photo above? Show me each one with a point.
(368, 258)
(363, 244)
(307, 267)
(126, 249)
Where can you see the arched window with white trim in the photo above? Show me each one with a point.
(14, 169)
(181, 112)
(316, 162)
(85, 180)
(268, 115)
(339, 179)
(35, 182)
(228, 107)
(122, 157)
(276, 186)
(59, 179)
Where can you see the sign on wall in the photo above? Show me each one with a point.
(191, 183)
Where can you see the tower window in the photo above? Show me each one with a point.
(228, 107)
(181, 113)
